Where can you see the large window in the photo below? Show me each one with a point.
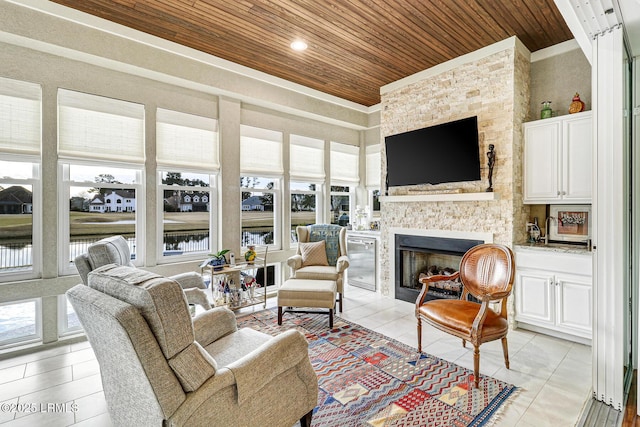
(20, 140)
(187, 155)
(101, 151)
(261, 168)
(344, 179)
(20, 322)
(307, 175)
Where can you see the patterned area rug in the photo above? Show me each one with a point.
(368, 379)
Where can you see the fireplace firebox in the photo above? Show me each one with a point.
(418, 254)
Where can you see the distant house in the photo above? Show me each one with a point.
(188, 202)
(16, 200)
(114, 201)
(194, 202)
(253, 203)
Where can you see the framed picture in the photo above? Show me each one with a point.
(570, 223)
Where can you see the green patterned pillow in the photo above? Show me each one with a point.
(330, 233)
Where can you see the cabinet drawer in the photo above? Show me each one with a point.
(554, 261)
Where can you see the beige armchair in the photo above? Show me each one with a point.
(160, 367)
(115, 250)
(308, 267)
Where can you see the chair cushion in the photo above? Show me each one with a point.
(307, 293)
(313, 253)
(317, 272)
(459, 315)
(329, 233)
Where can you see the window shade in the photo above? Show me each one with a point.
(373, 166)
(344, 163)
(260, 151)
(20, 106)
(306, 158)
(93, 127)
(186, 140)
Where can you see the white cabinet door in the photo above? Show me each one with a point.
(577, 158)
(573, 310)
(535, 297)
(541, 162)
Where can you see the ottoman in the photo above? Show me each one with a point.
(307, 293)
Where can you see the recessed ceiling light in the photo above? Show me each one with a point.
(298, 45)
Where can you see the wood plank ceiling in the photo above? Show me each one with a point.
(355, 46)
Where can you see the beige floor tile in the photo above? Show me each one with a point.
(37, 355)
(11, 374)
(102, 420)
(8, 413)
(59, 361)
(90, 406)
(49, 419)
(35, 383)
(85, 369)
(66, 392)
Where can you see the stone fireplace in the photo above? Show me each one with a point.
(492, 84)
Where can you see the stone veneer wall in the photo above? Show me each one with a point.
(496, 89)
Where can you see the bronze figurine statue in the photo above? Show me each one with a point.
(491, 156)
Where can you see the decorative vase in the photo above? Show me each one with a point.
(250, 254)
(577, 105)
(546, 111)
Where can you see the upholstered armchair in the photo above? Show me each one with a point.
(306, 264)
(161, 367)
(115, 250)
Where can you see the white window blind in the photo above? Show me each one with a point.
(373, 166)
(260, 151)
(186, 140)
(306, 158)
(91, 126)
(20, 106)
(344, 163)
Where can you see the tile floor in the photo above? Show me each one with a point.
(554, 376)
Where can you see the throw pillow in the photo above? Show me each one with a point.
(313, 253)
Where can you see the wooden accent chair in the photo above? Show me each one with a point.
(486, 272)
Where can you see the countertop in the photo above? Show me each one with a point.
(555, 247)
(368, 233)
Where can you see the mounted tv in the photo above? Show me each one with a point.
(437, 154)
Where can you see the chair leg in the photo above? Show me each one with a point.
(305, 421)
(419, 335)
(279, 315)
(505, 351)
(331, 318)
(340, 301)
(464, 343)
(476, 364)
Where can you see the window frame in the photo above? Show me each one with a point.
(66, 266)
(318, 192)
(213, 214)
(351, 194)
(277, 191)
(35, 271)
(33, 338)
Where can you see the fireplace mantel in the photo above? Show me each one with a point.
(445, 197)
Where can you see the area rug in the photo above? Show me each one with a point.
(368, 379)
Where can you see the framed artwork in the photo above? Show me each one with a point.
(570, 223)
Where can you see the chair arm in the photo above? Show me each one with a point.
(188, 280)
(258, 368)
(342, 263)
(295, 262)
(197, 296)
(214, 324)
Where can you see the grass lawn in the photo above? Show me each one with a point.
(96, 224)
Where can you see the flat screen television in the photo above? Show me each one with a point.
(437, 154)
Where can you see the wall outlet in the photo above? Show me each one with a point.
(232, 258)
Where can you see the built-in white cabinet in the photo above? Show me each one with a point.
(557, 159)
(553, 292)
